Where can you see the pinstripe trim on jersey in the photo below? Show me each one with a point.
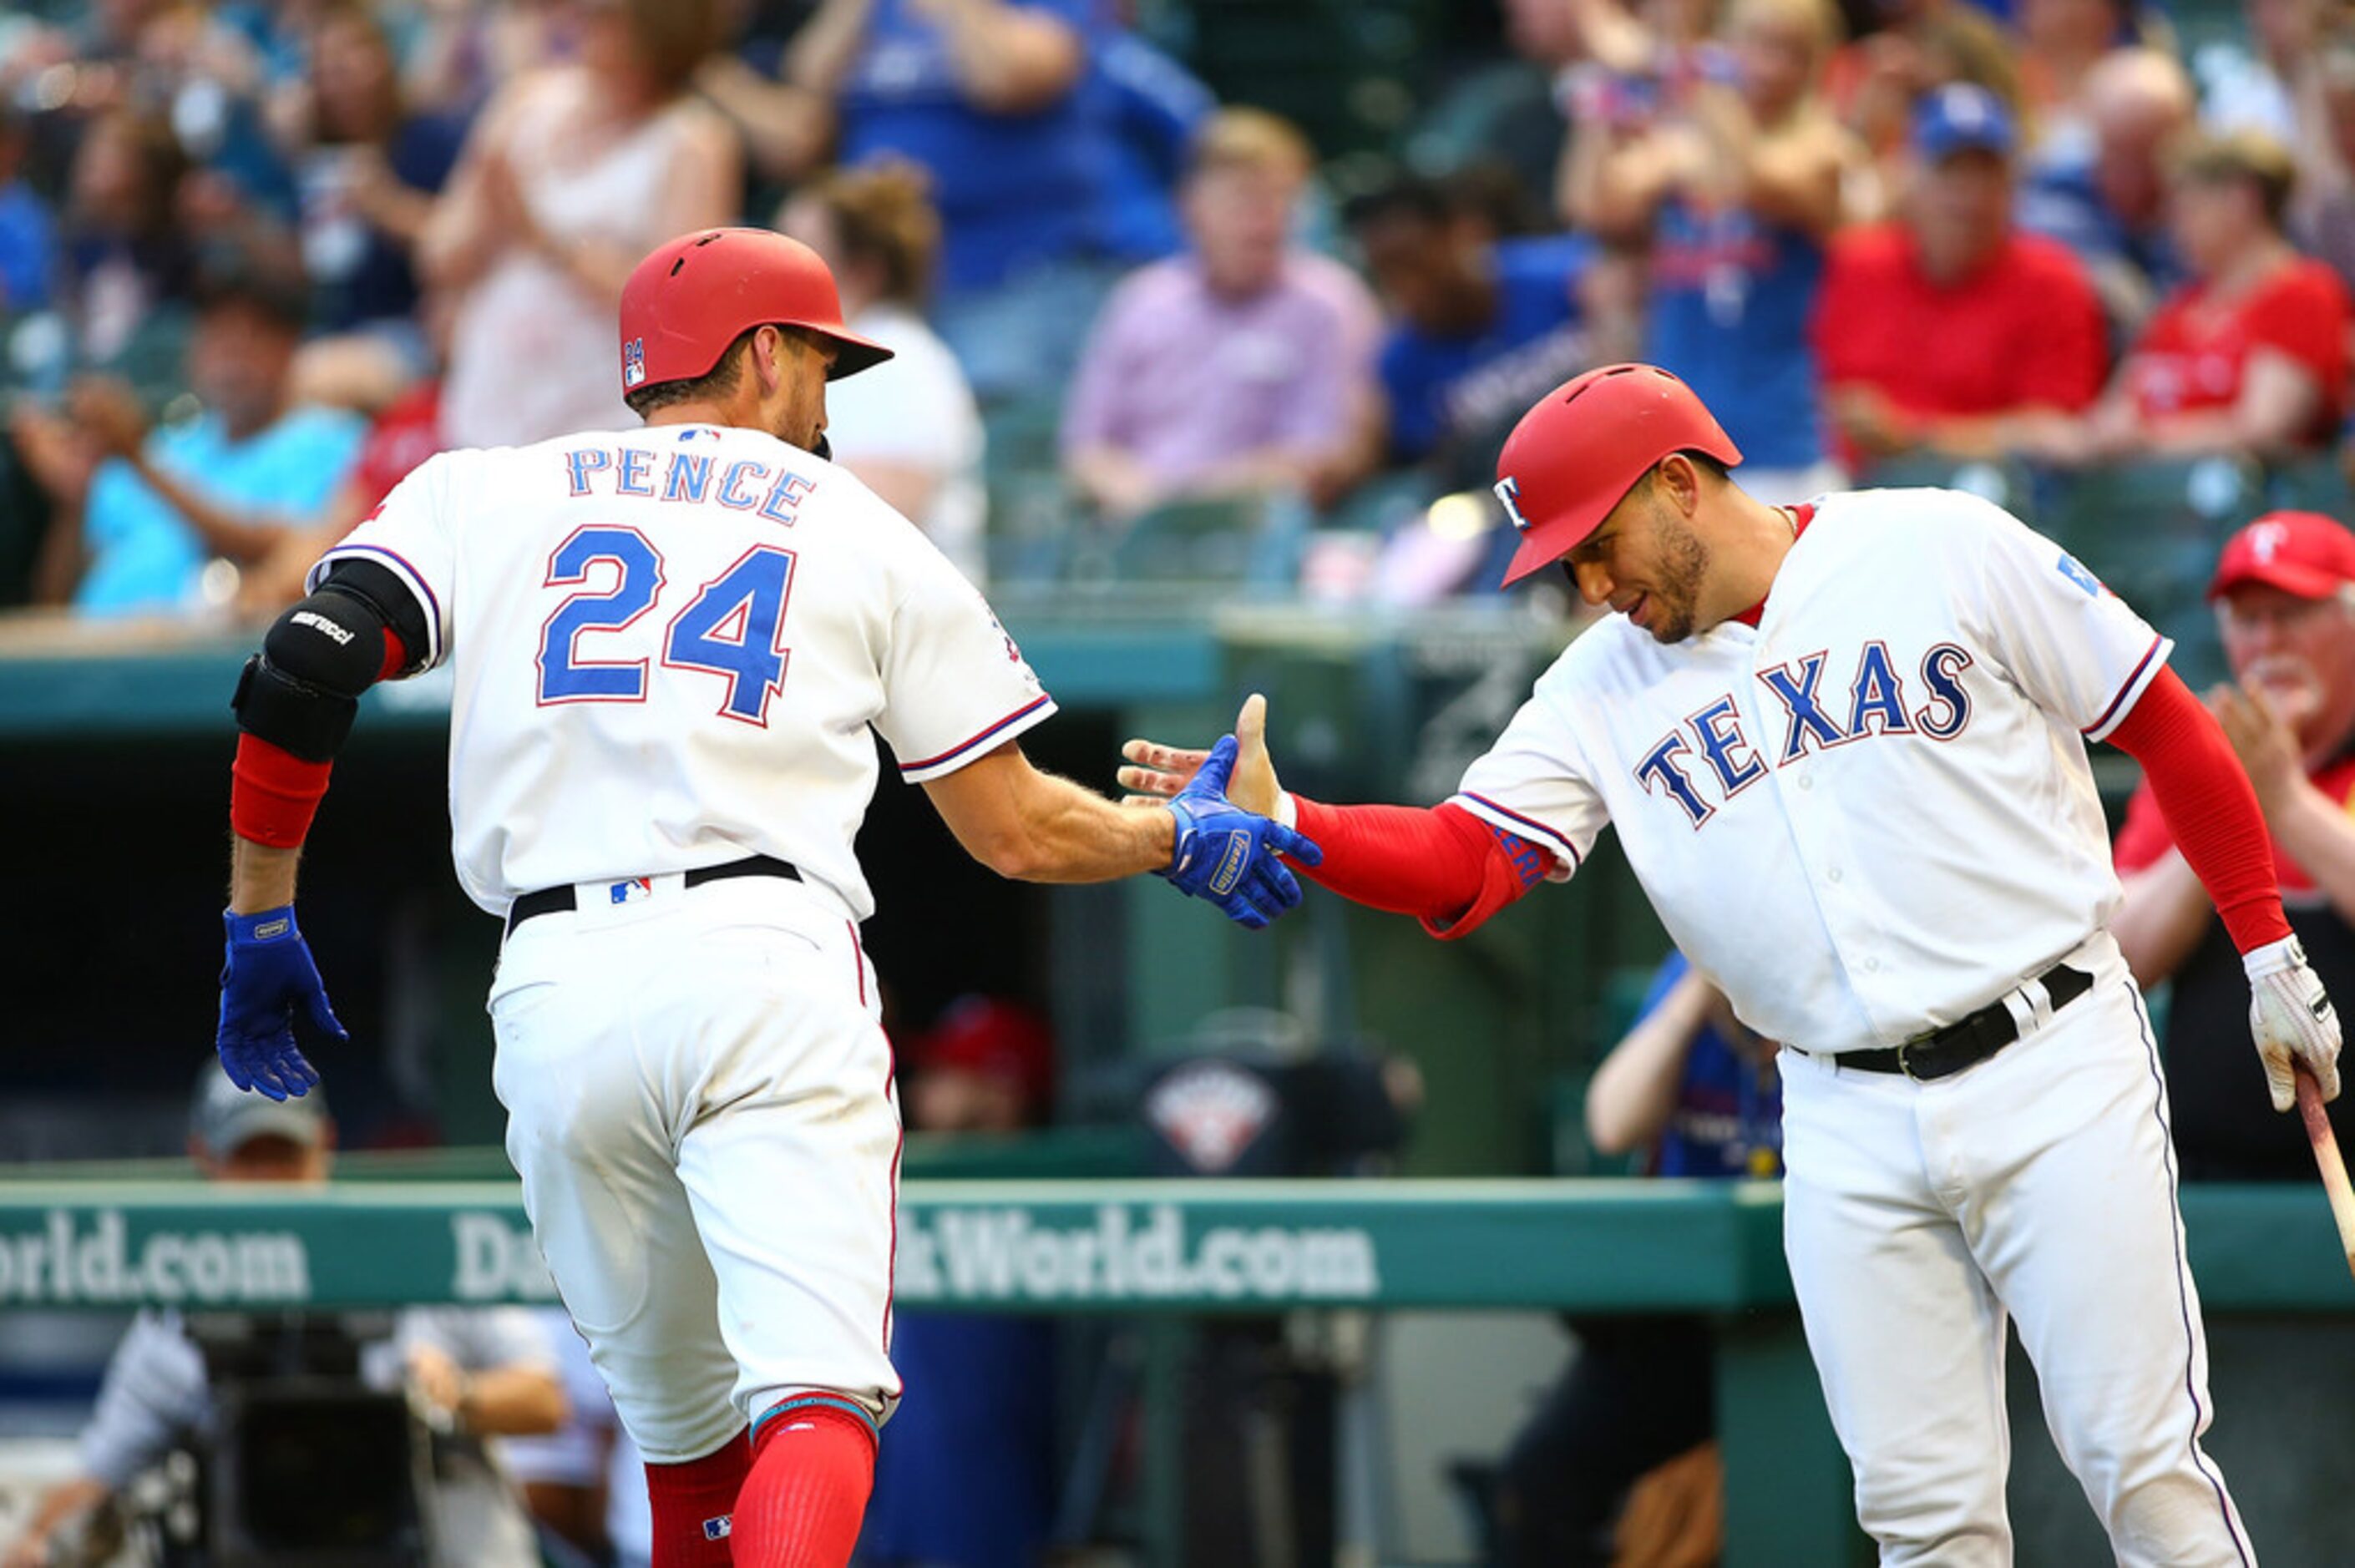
(898, 1149)
(1528, 826)
(419, 588)
(957, 755)
(2192, 1336)
(2153, 658)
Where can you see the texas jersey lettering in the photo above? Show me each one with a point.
(1876, 705)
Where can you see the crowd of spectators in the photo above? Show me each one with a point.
(257, 259)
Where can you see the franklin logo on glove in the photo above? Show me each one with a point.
(1231, 863)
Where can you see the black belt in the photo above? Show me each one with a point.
(549, 900)
(1966, 1041)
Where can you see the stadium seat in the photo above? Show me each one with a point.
(1250, 542)
(2310, 484)
(2152, 531)
(24, 519)
(2005, 481)
(1031, 519)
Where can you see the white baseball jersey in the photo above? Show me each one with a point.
(670, 644)
(1872, 814)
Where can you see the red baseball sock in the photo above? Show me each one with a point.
(692, 1502)
(812, 1466)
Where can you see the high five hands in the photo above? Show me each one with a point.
(1224, 800)
(1161, 771)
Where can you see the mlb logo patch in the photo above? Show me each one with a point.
(636, 887)
(717, 1529)
(633, 362)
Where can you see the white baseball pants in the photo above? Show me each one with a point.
(699, 1101)
(2039, 1184)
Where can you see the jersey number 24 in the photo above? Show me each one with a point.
(729, 629)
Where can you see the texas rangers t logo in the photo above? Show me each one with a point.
(1508, 491)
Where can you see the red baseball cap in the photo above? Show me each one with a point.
(1576, 455)
(2301, 553)
(994, 1039)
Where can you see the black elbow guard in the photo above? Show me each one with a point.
(301, 692)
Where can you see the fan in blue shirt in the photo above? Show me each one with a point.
(247, 453)
(1691, 1084)
(1481, 329)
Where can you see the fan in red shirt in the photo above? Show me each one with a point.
(404, 434)
(1949, 330)
(2251, 355)
(2285, 597)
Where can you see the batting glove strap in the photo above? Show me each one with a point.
(264, 925)
(2273, 958)
(2293, 1022)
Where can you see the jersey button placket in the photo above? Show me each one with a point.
(1817, 836)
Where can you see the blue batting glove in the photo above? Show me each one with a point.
(267, 971)
(1226, 855)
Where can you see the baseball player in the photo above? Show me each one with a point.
(669, 647)
(1844, 746)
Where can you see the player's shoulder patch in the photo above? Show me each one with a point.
(2069, 567)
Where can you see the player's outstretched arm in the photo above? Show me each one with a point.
(2212, 813)
(1034, 827)
(1441, 865)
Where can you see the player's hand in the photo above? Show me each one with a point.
(267, 974)
(1164, 770)
(2293, 1021)
(1226, 855)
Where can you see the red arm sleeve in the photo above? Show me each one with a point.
(272, 793)
(1441, 865)
(2208, 807)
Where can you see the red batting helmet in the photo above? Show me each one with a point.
(688, 300)
(1575, 455)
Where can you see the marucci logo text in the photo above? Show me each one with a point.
(1002, 1254)
(68, 1262)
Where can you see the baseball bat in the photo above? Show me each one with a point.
(2328, 1160)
